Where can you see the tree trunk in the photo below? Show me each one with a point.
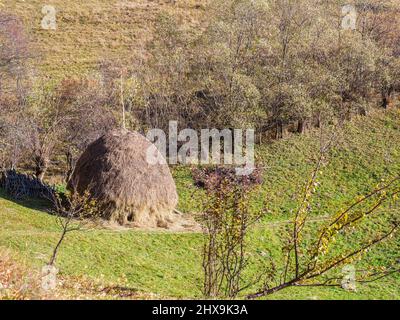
(55, 251)
(386, 97)
(279, 130)
(318, 124)
(70, 165)
(301, 126)
(41, 167)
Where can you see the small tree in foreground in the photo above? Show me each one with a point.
(73, 212)
(226, 222)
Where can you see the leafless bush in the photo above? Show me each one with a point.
(226, 223)
(73, 212)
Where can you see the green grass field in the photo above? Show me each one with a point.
(169, 264)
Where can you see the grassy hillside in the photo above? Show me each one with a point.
(365, 153)
(88, 31)
(169, 264)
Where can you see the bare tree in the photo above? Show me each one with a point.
(73, 212)
(47, 118)
(14, 53)
(226, 222)
(89, 117)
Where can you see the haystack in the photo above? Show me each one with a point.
(129, 190)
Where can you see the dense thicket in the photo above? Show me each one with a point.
(273, 65)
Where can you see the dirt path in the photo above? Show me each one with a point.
(313, 220)
(183, 225)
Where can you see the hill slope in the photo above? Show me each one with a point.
(169, 264)
(89, 31)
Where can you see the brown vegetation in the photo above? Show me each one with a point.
(283, 67)
(126, 186)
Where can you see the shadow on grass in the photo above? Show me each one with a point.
(30, 203)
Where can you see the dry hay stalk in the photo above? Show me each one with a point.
(127, 188)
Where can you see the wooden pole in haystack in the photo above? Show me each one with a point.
(122, 101)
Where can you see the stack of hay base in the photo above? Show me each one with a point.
(128, 189)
